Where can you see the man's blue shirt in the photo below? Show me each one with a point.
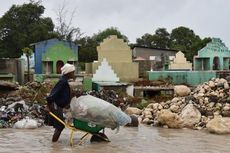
(60, 94)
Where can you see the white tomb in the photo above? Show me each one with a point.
(105, 73)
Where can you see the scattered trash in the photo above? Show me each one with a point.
(14, 111)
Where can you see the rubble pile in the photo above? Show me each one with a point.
(36, 91)
(14, 110)
(111, 96)
(194, 110)
(20, 102)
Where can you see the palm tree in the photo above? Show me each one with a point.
(28, 52)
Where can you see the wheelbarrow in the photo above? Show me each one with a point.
(85, 127)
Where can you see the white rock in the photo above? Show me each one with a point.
(155, 106)
(204, 119)
(175, 100)
(133, 111)
(216, 113)
(202, 90)
(174, 108)
(218, 105)
(170, 119)
(226, 85)
(211, 104)
(222, 80)
(201, 101)
(190, 115)
(183, 100)
(206, 87)
(149, 116)
(146, 121)
(221, 95)
(182, 90)
(213, 93)
(206, 100)
(211, 84)
(146, 113)
(219, 125)
(160, 107)
(200, 94)
(226, 108)
(195, 95)
(148, 109)
(179, 103)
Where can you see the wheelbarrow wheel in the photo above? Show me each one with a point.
(99, 137)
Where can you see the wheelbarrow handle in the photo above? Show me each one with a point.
(57, 118)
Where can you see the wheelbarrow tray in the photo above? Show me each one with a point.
(86, 126)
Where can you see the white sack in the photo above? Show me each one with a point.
(91, 109)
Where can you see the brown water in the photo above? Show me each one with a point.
(129, 140)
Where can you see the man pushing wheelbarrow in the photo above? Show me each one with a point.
(59, 98)
(91, 114)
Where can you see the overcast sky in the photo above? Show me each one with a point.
(134, 18)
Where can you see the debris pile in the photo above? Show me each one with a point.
(36, 91)
(20, 102)
(117, 99)
(13, 111)
(195, 109)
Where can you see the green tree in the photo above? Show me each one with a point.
(28, 52)
(22, 25)
(197, 46)
(184, 39)
(87, 52)
(181, 38)
(98, 37)
(146, 40)
(161, 39)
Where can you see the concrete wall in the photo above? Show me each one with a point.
(214, 49)
(125, 71)
(40, 49)
(58, 52)
(119, 56)
(144, 66)
(146, 52)
(13, 66)
(114, 50)
(183, 77)
(89, 68)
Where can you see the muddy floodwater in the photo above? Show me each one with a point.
(143, 139)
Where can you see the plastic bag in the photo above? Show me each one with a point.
(26, 123)
(94, 110)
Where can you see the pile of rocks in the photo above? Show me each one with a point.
(208, 101)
